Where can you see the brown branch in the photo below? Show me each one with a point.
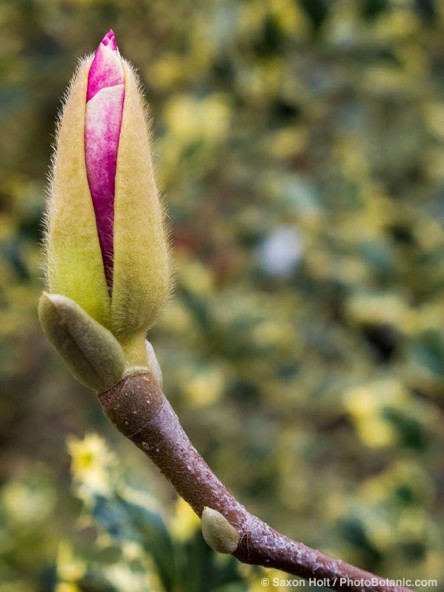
(139, 409)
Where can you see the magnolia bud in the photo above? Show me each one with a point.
(90, 351)
(105, 242)
(218, 533)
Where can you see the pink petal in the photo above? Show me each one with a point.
(106, 70)
(104, 108)
(110, 40)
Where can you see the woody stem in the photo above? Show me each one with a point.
(140, 411)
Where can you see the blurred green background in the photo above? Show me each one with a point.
(300, 149)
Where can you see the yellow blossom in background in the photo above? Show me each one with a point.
(91, 462)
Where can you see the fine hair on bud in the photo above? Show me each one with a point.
(106, 244)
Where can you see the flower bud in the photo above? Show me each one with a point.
(90, 351)
(105, 242)
(218, 533)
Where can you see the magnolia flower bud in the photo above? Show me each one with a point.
(105, 242)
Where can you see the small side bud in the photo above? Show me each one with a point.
(91, 352)
(218, 533)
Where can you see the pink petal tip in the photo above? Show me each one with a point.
(106, 68)
(110, 40)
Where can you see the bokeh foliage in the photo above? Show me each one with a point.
(300, 149)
